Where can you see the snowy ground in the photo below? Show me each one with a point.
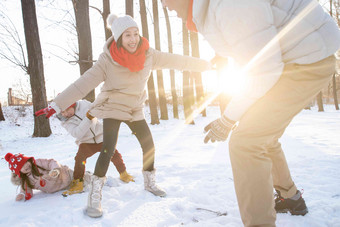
(195, 175)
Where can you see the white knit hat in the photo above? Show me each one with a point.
(120, 24)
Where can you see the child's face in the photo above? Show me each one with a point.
(26, 168)
(69, 112)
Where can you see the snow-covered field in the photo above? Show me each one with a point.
(196, 176)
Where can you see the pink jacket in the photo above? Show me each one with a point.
(62, 181)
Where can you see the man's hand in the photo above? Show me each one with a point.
(218, 130)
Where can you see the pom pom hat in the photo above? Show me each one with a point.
(16, 162)
(120, 24)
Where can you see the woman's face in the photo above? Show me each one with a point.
(130, 39)
(26, 168)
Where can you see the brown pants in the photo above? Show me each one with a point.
(86, 150)
(257, 159)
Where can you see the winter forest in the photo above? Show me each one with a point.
(45, 45)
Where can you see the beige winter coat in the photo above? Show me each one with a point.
(52, 184)
(123, 93)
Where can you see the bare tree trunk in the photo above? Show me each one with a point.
(2, 118)
(129, 7)
(172, 72)
(81, 11)
(35, 67)
(151, 84)
(106, 12)
(196, 75)
(186, 80)
(335, 95)
(320, 102)
(160, 83)
(336, 103)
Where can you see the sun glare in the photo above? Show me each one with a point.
(231, 80)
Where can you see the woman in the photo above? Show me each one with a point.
(125, 67)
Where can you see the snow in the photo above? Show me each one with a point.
(196, 176)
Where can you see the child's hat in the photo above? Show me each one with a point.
(16, 162)
(120, 24)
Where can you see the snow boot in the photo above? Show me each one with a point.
(87, 180)
(94, 208)
(76, 186)
(150, 185)
(124, 176)
(295, 205)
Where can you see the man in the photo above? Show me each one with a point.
(88, 132)
(286, 48)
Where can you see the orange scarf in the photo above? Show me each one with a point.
(135, 61)
(190, 24)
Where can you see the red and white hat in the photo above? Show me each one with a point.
(16, 162)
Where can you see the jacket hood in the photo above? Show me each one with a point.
(106, 48)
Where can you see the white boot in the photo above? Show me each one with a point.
(150, 185)
(87, 180)
(94, 208)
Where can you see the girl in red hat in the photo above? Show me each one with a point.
(46, 175)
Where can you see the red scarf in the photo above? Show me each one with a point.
(135, 61)
(190, 24)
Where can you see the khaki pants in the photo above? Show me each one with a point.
(257, 159)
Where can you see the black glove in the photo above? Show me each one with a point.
(219, 129)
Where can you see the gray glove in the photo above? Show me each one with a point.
(219, 129)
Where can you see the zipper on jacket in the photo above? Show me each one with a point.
(94, 135)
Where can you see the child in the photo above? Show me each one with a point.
(46, 175)
(88, 132)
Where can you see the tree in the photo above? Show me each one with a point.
(15, 54)
(172, 72)
(105, 13)
(22, 89)
(81, 11)
(35, 67)
(160, 83)
(187, 97)
(151, 84)
(335, 95)
(129, 7)
(196, 75)
(2, 118)
(320, 102)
